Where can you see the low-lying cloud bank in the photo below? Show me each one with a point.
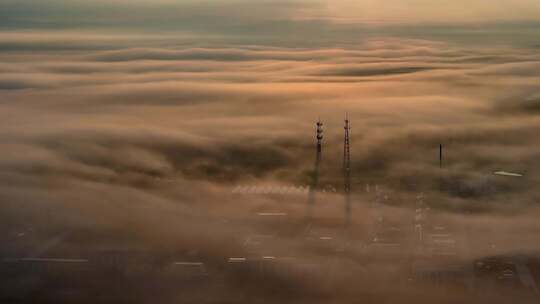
(144, 136)
(229, 114)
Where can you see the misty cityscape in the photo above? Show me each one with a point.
(273, 151)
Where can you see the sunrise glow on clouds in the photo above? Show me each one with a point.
(119, 97)
(232, 69)
(138, 115)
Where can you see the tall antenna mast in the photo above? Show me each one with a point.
(347, 170)
(315, 179)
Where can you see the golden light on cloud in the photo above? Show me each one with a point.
(168, 146)
(432, 11)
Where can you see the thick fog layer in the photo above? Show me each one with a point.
(134, 132)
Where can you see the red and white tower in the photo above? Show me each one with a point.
(347, 170)
(315, 179)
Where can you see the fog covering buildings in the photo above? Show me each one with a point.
(164, 151)
(305, 243)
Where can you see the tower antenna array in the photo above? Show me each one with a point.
(315, 178)
(347, 170)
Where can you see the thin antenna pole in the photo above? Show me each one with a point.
(440, 155)
(441, 179)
